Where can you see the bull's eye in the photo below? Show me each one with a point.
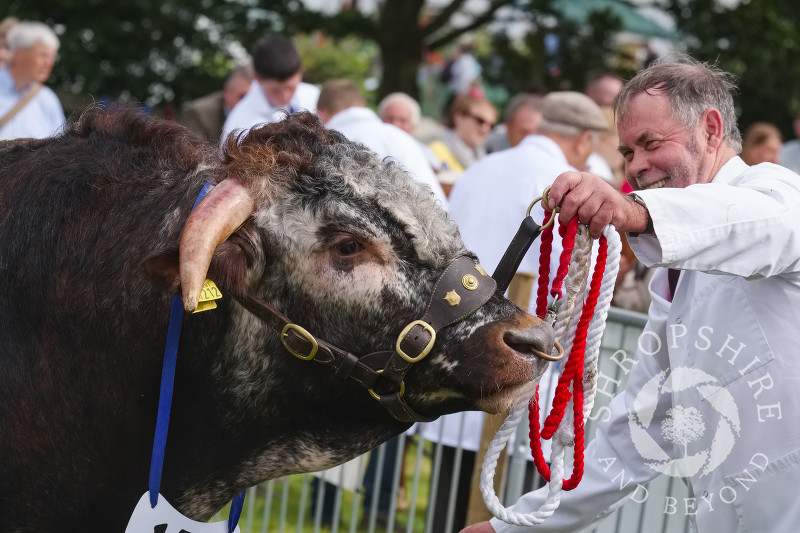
(347, 247)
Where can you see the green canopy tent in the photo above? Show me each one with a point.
(632, 21)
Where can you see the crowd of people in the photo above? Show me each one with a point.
(660, 157)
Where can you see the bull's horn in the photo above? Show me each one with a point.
(220, 213)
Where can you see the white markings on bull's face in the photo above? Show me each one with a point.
(352, 248)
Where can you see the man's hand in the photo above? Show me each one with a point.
(596, 203)
(480, 527)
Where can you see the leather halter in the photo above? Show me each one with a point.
(461, 289)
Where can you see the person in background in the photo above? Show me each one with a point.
(761, 143)
(400, 110)
(522, 117)
(602, 87)
(790, 151)
(206, 115)
(713, 383)
(27, 107)
(277, 89)
(342, 107)
(463, 72)
(460, 143)
(5, 25)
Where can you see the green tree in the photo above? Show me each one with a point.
(160, 51)
(528, 64)
(150, 51)
(758, 41)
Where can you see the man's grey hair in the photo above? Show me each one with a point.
(692, 87)
(416, 113)
(27, 33)
(522, 100)
(241, 69)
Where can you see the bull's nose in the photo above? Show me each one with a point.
(539, 338)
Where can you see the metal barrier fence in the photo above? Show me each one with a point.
(340, 500)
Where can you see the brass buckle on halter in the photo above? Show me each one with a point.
(425, 351)
(543, 199)
(377, 397)
(303, 333)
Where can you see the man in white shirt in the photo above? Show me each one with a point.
(28, 109)
(342, 107)
(277, 89)
(713, 385)
(790, 151)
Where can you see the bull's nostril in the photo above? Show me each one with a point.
(532, 340)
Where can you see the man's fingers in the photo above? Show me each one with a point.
(573, 201)
(563, 184)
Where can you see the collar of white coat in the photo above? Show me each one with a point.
(730, 170)
(351, 115)
(546, 144)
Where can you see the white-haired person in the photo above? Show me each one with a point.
(27, 107)
(400, 110)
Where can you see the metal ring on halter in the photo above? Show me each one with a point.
(542, 199)
(547, 356)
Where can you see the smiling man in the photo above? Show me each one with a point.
(27, 107)
(719, 350)
(277, 89)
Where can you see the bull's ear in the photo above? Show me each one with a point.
(163, 272)
(228, 269)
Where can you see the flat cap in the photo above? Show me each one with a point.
(575, 109)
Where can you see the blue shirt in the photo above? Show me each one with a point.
(42, 117)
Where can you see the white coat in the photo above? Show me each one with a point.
(254, 109)
(362, 125)
(715, 387)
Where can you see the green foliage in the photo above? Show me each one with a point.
(169, 51)
(526, 65)
(758, 41)
(147, 51)
(324, 59)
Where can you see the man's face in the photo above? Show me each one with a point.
(235, 90)
(35, 62)
(658, 150)
(279, 93)
(524, 122)
(399, 114)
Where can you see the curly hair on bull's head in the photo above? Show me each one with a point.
(279, 151)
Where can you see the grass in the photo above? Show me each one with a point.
(285, 504)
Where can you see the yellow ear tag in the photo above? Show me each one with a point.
(208, 294)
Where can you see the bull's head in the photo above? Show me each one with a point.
(350, 248)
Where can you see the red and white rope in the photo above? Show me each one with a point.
(566, 327)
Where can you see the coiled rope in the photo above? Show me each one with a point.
(579, 329)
